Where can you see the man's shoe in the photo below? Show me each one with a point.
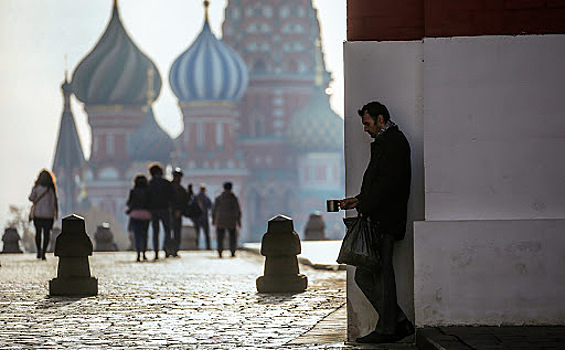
(404, 329)
(377, 338)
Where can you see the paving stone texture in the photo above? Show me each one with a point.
(197, 301)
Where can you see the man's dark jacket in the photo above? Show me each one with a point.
(160, 194)
(180, 197)
(386, 182)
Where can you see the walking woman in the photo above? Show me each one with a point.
(45, 209)
(140, 216)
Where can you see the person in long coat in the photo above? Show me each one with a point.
(45, 209)
(226, 215)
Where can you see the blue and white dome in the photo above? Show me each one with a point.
(208, 70)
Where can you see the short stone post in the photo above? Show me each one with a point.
(104, 238)
(315, 227)
(280, 246)
(11, 240)
(73, 246)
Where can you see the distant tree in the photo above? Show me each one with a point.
(19, 219)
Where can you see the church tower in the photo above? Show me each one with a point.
(69, 161)
(277, 42)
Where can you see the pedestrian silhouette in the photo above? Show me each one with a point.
(179, 203)
(44, 210)
(160, 198)
(140, 216)
(226, 215)
(202, 221)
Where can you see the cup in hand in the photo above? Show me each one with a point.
(332, 205)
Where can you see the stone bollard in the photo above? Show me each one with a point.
(315, 227)
(104, 238)
(73, 246)
(11, 240)
(280, 246)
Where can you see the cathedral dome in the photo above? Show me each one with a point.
(115, 72)
(316, 127)
(208, 70)
(149, 142)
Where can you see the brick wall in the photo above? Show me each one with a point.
(389, 20)
(378, 20)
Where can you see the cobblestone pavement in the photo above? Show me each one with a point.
(197, 301)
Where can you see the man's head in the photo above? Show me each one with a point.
(177, 175)
(228, 186)
(155, 170)
(203, 188)
(374, 116)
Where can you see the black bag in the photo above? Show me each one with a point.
(359, 246)
(192, 210)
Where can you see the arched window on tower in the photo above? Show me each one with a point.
(272, 204)
(293, 66)
(255, 207)
(220, 136)
(257, 126)
(200, 136)
(286, 204)
(259, 66)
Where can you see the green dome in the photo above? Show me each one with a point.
(316, 127)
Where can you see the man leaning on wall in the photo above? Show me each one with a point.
(384, 199)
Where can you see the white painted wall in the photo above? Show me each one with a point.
(486, 116)
(391, 74)
(494, 157)
(489, 272)
(495, 127)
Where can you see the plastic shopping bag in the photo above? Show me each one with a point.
(359, 246)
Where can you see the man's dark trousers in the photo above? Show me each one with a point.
(379, 286)
(202, 223)
(177, 227)
(164, 216)
(221, 233)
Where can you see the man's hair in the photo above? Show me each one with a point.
(155, 169)
(228, 186)
(374, 109)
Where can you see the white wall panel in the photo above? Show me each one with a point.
(489, 272)
(495, 127)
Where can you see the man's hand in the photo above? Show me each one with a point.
(348, 203)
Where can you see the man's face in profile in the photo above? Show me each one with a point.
(371, 126)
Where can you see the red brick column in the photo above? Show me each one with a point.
(390, 20)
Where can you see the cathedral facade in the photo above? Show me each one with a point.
(254, 111)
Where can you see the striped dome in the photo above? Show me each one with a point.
(316, 127)
(115, 72)
(208, 70)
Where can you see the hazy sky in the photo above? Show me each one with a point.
(37, 35)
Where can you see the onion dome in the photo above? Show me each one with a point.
(149, 142)
(208, 70)
(115, 71)
(316, 127)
